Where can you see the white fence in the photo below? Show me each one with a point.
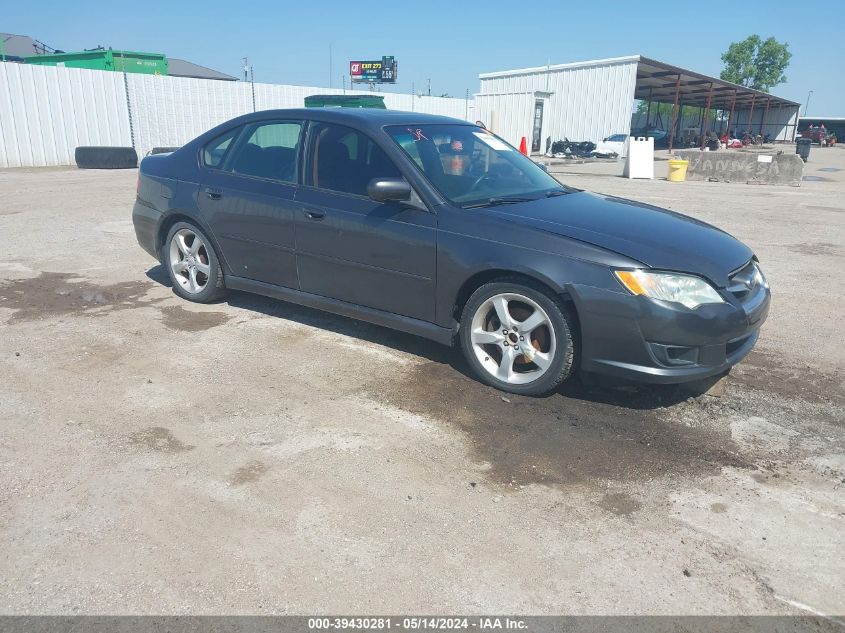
(46, 112)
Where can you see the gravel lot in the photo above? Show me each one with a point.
(251, 456)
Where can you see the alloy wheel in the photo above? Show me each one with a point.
(189, 261)
(513, 338)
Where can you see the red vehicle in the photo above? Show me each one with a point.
(815, 134)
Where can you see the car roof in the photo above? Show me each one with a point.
(365, 119)
(356, 117)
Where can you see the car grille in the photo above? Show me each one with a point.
(745, 282)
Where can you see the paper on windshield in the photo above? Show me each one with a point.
(492, 142)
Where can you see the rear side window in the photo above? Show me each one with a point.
(345, 160)
(215, 151)
(269, 151)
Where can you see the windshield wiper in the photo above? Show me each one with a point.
(558, 192)
(493, 202)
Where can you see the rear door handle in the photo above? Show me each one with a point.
(214, 194)
(314, 215)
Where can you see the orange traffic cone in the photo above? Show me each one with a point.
(523, 146)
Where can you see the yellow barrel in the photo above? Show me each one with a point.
(678, 170)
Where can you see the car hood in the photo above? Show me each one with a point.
(658, 238)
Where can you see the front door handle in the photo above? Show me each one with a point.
(214, 194)
(314, 215)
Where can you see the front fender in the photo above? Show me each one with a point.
(470, 245)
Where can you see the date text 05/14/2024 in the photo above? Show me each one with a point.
(416, 623)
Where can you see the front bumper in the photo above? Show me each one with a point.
(640, 339)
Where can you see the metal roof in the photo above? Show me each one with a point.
(551, 67)
(19, 46)
(182, 68)
(658, 81)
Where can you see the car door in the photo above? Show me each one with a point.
(349, 247)
(247, 195)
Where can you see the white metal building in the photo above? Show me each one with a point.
(587, 101)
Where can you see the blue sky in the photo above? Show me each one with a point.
(449, 42)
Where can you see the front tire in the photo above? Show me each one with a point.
(518, 337)
(192, 264)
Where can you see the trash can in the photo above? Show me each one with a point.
(678, 170)
(802, 148)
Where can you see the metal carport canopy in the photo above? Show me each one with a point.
(661, 82)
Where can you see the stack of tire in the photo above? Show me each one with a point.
(106, 157)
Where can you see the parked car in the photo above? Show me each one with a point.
(661, 137)
(614, 144)
(437, 227)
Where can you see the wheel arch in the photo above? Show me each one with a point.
(478, 279)
(177, 215)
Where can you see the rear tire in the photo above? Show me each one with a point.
(518, 337)
(192, 264)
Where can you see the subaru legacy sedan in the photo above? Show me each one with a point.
(441, 229)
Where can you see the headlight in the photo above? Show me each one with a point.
(687, 290)
(759, 277)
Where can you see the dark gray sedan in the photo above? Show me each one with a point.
(437, 227)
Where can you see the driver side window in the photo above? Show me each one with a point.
(345, 160)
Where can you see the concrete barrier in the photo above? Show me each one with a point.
(759, 168)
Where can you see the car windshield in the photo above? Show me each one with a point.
(472, 167)
(617, 138)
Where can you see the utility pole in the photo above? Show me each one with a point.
(429, 87)
(330, 65)
(807, 107)
(249, 75)
(252, 81)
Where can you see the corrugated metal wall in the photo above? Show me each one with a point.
(587, 102)
(170, 111)
(779, 122)
(46, 112)
(508, 115)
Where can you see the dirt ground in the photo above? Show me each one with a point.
(251, 456)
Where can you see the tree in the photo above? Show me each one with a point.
(664, 110)
(755, 63)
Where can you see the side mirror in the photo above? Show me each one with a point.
(389, 189)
